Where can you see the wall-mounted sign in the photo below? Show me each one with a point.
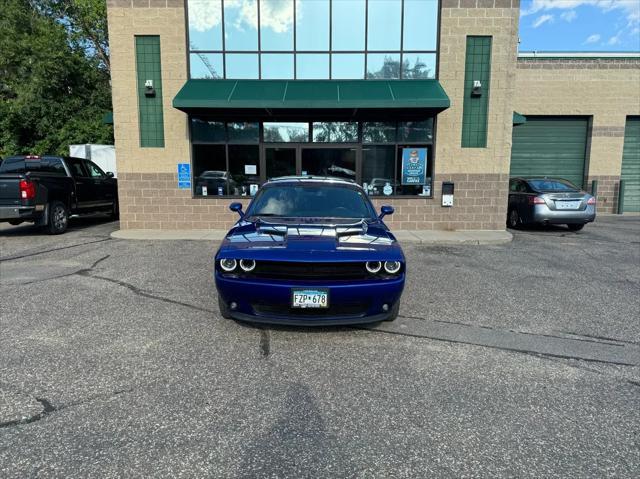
(414, 166)
(184, 176)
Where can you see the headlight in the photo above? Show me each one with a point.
(392, 267)
(373, 266)
(247, 265)
(228, 265)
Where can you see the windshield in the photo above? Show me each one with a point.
(311, 201)
(552, 185)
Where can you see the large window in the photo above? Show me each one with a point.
(386, 158)
(312, 39)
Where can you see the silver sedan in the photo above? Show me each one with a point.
(549, 201)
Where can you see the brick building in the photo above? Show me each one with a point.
(234, 92)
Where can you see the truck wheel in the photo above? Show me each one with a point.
(58, 218)
(115, 211)
(224, 309)
(394, 312)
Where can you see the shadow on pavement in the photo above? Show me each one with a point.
(75, 224)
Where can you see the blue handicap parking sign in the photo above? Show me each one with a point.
(184, 175)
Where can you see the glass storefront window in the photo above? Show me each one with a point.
(414, 190)
(203, 131)
(378, 170)
(383, 65)
(420, 25)
(383, 25)
(276, 25)
(312, 25)
(338, 162)
(241, 25)
(206, 65)
(286, 132)
(378, 132)
(244, 169)
(209, 170)
(418, 131)
(347, 66)
(312, 66)
(242, 66)
(348, 24)
(418, 65)
(205, 24)
(240, 132)
(335, 132)
(277, 66)
(280, 162)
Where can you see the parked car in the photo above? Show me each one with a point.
(549, 201)
(310, 251)
(212, 181)
(47, 190)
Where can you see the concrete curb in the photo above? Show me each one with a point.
(426, 237)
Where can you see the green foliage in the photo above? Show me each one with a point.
(54, 85)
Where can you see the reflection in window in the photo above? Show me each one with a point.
(335, 132)
(339, 162)
(276, 24)
(243, 132)
(378, 132)
(241, 25)
(280, 162)
(242, 66)
(244, 169)
(277, 66)
(418, 65)
(206, 65)
(378, 165)
(418, 131)
(383, 65)
(209, 170)
(203, 131)
(205, 25)
(286, 132)
(383, 29)
(347, 24)
(420, 25)
(312, 25)
(312, 66)
(345, 66)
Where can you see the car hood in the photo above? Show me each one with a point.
(304, 242)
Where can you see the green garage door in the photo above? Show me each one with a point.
(550, 146)
(631, 165)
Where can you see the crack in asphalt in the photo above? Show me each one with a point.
(66, 275)
(265, 342)
(11, 258)
(635, 343)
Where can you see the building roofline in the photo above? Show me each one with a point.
(569, 54)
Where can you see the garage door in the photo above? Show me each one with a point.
(631, 165)
(550, 146)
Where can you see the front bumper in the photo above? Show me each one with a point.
(17, 212)
(543, 214)
(350, 302)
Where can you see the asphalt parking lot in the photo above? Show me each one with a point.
(519, 360)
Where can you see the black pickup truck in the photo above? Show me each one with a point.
(47, 190)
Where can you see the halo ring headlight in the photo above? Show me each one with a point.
(373, 267)
(228, 264)
(392, 267)
(247, 265)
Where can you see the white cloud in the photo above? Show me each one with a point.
(593, 38)
(541, 20)
(614, 40)
(631, 8)
(275, 14)
(204, 15)
(569, 15)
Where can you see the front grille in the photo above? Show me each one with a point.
(309, 271)
(354, 310)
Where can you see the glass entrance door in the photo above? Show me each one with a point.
(329, 161)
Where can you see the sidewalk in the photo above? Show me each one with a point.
(467, 237)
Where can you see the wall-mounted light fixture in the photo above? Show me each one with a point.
(148, 88)
(477, 88)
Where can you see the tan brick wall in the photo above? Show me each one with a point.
(607, 194)
(149, 197)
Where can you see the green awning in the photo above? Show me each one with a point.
(519, 119)
(277, 98)
(107, 119)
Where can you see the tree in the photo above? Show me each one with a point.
(54, 86)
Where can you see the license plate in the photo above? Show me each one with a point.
(567, 205)
(310, 298)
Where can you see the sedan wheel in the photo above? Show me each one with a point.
(513, 220)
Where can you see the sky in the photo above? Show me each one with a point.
(580, 25)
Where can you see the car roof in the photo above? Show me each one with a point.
(309, 179)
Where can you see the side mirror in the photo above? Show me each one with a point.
(237, 207)
(109, 174)
(385, 210)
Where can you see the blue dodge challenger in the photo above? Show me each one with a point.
(310, 251)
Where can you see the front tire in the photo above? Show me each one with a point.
(513, 219)
(394, 312)
(224, 309)
(575, 227)
(58, 220)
